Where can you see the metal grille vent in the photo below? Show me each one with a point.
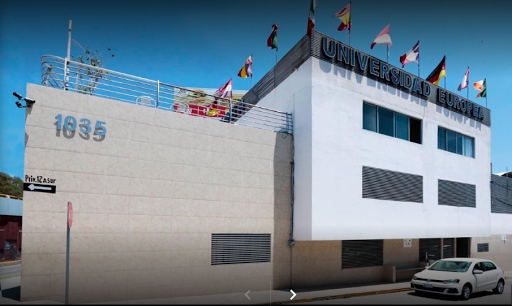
(430, 249)
(501, 194)
(393, 186)
(482, 247)
(240, 248)
(361, 253)
(456, 194)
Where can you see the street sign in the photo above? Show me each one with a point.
(70, 215)
(39, 187)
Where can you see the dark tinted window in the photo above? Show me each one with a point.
(451, 141)
(441, 138)
(489, 266)
(455, 142)
(482, 247)
(415, 130)
(479, 266)
(369, 117)
(401, 126)
(386, 124)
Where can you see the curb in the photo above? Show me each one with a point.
(341, 296)
(10, 263)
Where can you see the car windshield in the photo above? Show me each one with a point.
(450, 266)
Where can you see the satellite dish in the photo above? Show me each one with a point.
(146, 101)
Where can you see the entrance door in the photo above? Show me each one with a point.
(430, 250)
(463, 247)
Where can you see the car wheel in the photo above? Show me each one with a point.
(500, 287)
(466, 292)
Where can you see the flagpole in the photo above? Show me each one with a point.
(444, 72)
(350, 29)
(252, 61)
(467, 82)
(388, 55)
(418, 59)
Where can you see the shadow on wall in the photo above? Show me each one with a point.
(458, 117)
(283, 156)
(371, 81)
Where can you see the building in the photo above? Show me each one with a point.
(11, 208)
(338, 168)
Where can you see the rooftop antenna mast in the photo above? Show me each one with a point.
(68, 57)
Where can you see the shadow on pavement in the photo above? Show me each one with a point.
(13, 293)
(442, 297)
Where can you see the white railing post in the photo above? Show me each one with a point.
(157, 93)
(66, 77)
(230, 110)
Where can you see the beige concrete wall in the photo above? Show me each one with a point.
(146, 199)
(499, 251)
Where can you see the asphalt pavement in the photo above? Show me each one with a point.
(412, 298)
(10, 271)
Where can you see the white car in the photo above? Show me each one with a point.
(460, 276)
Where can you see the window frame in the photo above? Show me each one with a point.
(377, 122)
(463, 142)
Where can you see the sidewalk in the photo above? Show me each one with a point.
(265, 297)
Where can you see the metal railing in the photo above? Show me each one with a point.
(73, 76)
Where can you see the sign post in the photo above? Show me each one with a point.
(70, 223)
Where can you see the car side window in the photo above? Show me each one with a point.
(479, 266)
(489, 266)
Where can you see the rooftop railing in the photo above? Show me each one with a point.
(77, 77)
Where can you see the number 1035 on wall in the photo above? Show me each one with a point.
(70, 124)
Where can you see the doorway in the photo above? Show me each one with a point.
(463, 247)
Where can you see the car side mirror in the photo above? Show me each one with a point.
(478, 271)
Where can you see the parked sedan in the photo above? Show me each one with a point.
(460, 276)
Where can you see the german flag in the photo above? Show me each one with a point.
(438, 73)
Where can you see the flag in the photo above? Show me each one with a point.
(438, 73)
(311, 19)
(344, 16)
(272, 39)
(412, 55)
(225, 91)
(246, 70)
(465, 81)
(383, 38)
(482, 87)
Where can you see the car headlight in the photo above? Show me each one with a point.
(451, 281)
(414, 277)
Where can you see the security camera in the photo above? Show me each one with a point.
(18, 104)
(17, 95)
(29, 101)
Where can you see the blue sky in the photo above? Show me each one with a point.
(205, 43)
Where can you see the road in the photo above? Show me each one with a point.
(410, 297)
(10, 270)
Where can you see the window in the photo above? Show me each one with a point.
(479, 266)
(482, 247)
(361, 253)
(456, 194)
(430, 249)
(448, 247)
(370, 117)
(384, 121)
(489, 266)
(454, 142)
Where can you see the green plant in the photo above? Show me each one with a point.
(87, 77)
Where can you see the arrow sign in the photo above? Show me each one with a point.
(247, 294)
(39, 187)
(294, 294)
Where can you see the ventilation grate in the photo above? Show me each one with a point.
(501, 194)
(482, 247)
(456, 194)
(361, 253)
(393, 186)
(240, 248)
